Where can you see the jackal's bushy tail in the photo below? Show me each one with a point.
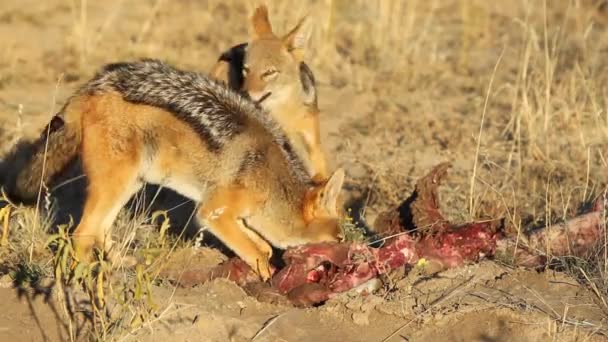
(35, 163)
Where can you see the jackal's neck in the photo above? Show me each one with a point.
(291, 113)
(292, 196)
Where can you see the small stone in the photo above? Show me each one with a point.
(371, 302)
(354, 304)
(361, 318)
(6, 281)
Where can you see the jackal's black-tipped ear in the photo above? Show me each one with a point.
(297, 39)
(260, 24)
(309, 86)
(331, 191)
(220, 71)
(229, 66)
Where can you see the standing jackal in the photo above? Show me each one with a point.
(146, 121)
(271, 69)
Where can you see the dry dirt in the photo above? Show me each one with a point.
(513, 94)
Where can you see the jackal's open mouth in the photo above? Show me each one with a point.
(264, 97)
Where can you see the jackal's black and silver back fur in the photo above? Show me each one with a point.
(215, 111)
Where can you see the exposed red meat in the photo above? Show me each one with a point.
(573, 237)
(459, 245)
(336, 267)
(417, 229)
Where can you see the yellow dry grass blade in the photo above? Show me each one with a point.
(165, 225)
(5, 214)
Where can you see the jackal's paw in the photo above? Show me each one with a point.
(83, 249)
(264, 269)
(84, 256)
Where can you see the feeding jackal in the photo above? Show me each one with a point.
(271, 69)
(146, 121)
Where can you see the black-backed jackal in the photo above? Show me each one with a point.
(271, 69)
(146, 121)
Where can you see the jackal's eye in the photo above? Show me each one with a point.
(269, 73)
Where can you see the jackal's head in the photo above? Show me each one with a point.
(271, 65)
(270, 68)
(322, 209)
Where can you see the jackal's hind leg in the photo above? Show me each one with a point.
(113, 177)
(103, 203)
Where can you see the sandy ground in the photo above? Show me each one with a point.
(402, 87)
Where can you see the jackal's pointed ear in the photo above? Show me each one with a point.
(309, 87)
(331, 191)
(220, 71)
(297, 39)
(260, 24)
(229, 66)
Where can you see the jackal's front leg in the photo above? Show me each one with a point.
(222, 214)
(316, 156)
(319, 166)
